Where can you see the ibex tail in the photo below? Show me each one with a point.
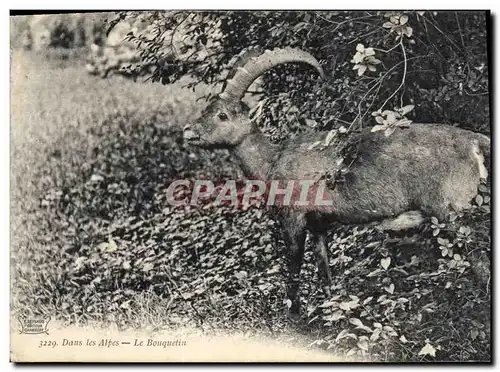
(483, 152)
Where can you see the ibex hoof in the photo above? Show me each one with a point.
(294, 315)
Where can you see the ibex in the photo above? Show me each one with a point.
(396, 181)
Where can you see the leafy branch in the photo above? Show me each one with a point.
(405, 61)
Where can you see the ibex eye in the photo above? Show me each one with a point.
(222, 116)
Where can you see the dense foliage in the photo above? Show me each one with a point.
(436, 61)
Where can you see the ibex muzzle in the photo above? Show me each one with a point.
(394, 180)
(189, 135)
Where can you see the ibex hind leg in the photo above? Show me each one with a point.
(319, 242)
(294, 236)
(320, 246)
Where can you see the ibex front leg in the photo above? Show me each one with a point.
(320, 246)
(294, 235)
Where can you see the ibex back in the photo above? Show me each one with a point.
(394, 180)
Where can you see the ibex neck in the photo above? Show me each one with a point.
(255, 154)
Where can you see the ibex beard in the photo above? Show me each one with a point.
(300, 194)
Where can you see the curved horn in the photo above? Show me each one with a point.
(243, 77)
(240, 60)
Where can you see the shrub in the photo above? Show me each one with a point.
(41, 32)
(435, 61)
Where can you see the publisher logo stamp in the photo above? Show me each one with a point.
(33, 325)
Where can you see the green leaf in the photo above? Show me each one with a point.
(442, 241)
(391, 117)
(363, 345)
(479, 200)
(382, 298)
(369, 52)
(465, 230)
(375, 335)
(428, 349)
(337, 315)
(482, 188)
(346, 306)
(328, 304)
(356, 322)
(385, 263)
(367, 300)
(358, 57)
(405, 123)
(360, 48)
(387, 25)
(111, 246)
(361, 70)
(403, 19)
(373, 273)
(389, 131)
(341, 335)
(406, 109)
(377, 128)
(390, 289)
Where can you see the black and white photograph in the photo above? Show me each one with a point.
(251, 186)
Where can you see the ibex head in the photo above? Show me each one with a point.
(225, 122)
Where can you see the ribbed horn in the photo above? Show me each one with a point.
(255, 66)
(240, 60)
